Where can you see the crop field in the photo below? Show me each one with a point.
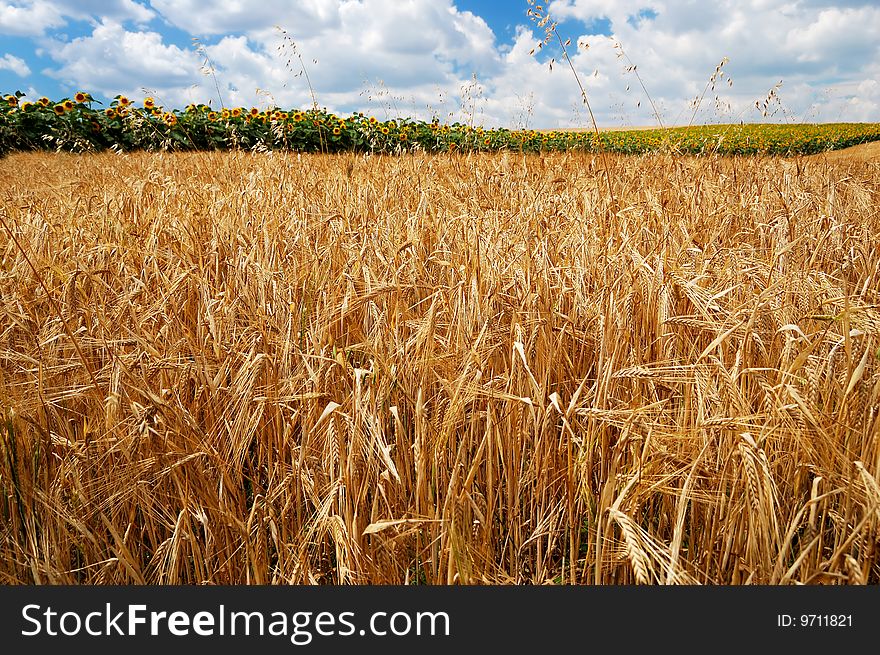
(239, 367)
(78, 124)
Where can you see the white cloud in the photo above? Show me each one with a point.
(95, 10)
(29, 19)
(811, 45)
(214, 17)
(34, 17)
(14, 64)
(409, 53)
(842, 36)
(416, 57)
(113, 60)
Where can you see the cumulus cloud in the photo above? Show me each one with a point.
(14, 64)
(114, 60)
(356, 53)
(117, 10)
(213, 17)
(812, 46)
(419, 57)
(837, 36)
(34, 17)
(29, 19)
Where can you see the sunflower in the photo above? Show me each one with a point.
(149, 103)
(487, 141)
(224, 114)
(384, 130)
(80, 97)
(58, 109)
(169, 119)
(124, 102)
(44, 101)
(156, 112)
(254, 112)
(236, 112)
(212, 115)
(12, 101)
(372, 120)
(336, 131)
(298, 116)
(26, 105)
(402, 136)
(110, 113)
(68, 105)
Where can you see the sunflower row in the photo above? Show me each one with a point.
(81, 124)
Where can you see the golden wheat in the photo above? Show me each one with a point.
(268, 368)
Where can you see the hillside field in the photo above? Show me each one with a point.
(240, 367)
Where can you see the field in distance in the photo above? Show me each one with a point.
(785, 139)
(475, 368)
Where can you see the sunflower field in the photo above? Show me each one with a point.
(80, 124)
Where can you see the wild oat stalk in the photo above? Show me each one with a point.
(287, 42)
(541, 18)
(632, 68)
(710, 84)
(208, 68)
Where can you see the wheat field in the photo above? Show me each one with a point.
(229, 368)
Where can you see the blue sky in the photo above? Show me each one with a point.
(459, 59)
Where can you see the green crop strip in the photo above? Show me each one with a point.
(80, 124)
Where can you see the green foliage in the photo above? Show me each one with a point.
(78, 125)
